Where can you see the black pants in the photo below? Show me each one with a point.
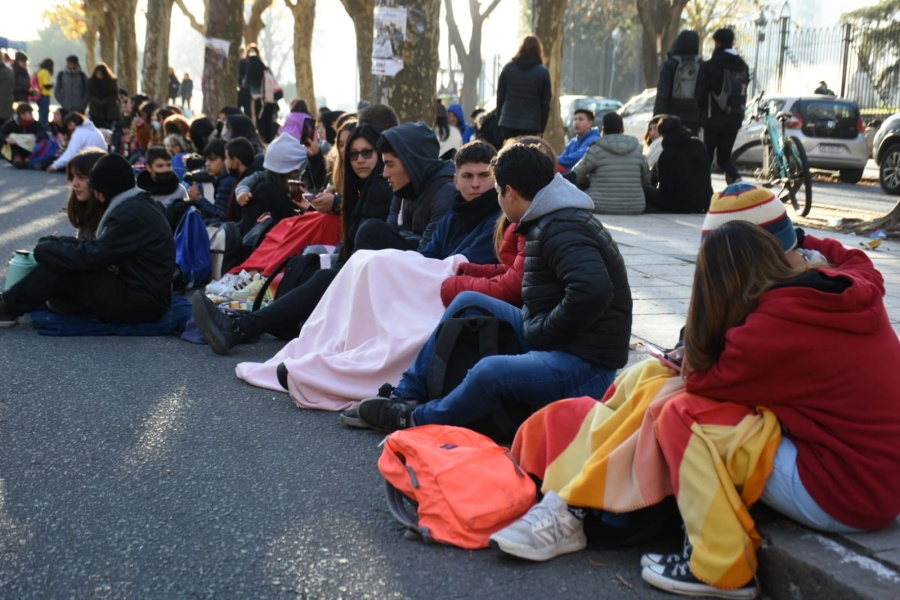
(101, 292)
(378, 235)
(719, 144)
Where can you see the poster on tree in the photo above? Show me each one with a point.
(219, 48)
(390, 33)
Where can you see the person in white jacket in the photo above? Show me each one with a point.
(82, 134)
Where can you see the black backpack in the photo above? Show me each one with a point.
(461, 341)
(733, 97)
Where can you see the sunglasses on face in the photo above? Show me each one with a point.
(365, 154)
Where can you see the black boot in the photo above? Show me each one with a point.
(220, 330)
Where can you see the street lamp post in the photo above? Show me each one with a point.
(785, 23)
(617, 39)
(760, 23)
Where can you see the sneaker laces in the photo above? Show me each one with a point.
(541, 516)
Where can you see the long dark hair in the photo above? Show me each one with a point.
(242, 126)
(530, 47)
(84, 216)
(107, 86)
(353, 185)
(47, 64)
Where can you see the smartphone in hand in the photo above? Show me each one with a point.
(663, 357)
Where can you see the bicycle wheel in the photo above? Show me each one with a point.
(799, 179)
(737, 157)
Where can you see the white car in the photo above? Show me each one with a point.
(637, 112)
(830, 129)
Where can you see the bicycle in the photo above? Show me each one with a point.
(784, 159)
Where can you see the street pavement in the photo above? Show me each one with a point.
(143, 468)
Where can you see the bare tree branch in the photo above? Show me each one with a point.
(453, 31)
(489, 10)
(195, 24)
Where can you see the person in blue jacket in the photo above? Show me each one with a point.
(585, 135)
(223, 183)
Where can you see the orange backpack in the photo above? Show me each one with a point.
(465, 486)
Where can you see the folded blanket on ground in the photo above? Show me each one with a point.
(366, 330)
(48, 322)
(649, 438)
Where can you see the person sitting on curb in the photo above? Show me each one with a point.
(613, 171)
(159, 180)
(124, 275)
(576, 317)
(22, 124)
(585, 135)
(683, 171)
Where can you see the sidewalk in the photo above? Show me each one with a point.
(795, 562)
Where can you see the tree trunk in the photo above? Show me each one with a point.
(547, 20)
(304, 12)
(107, 31)
(154, 75)
(363, 14)
(411, 91)
(126, 68)
(661, 20)
(224, 21)
(254, 25)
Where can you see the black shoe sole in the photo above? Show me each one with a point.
(214, 338)
(282, 373)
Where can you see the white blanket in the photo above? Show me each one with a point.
(367, 329)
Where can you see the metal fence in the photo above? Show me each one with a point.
(856, 62)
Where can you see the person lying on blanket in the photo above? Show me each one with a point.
(757, 340)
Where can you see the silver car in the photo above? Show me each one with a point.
(830, 129)
(886, 152)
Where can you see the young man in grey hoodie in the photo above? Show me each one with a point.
(574, 327)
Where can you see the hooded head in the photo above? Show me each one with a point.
(457, 110)
(745, 202)
(284, 155)
(416, 147)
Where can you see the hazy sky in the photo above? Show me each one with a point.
(334, 39)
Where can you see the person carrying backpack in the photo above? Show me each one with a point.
(71, 87)
(675, 91)
(722, 95)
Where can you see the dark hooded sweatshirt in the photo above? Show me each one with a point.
(417, 207)
(683, 167)
(710, 82)
(686, 45)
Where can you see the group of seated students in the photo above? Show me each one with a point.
(503, 231)
(670, 174)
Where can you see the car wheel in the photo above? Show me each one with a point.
(889, 172)
(851, 175)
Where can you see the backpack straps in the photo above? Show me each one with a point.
(398, 504)
(268, 282)
(445, 341)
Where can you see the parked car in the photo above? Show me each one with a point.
(886, 152)
(831, 130)
(637, 112)
(596, 104)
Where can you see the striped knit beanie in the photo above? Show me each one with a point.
(745, 202)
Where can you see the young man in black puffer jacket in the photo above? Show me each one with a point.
(575, 324)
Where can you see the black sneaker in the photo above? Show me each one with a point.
(350, 418)
(677, 578)
(385, 414)
(669, 559)
(281, 372)
(219, 330)
(7, 319)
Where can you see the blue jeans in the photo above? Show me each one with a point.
(536, 378)
(43, 110)
(786, 493)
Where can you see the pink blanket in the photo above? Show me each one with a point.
(366, 330)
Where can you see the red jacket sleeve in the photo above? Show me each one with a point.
(847, 261)
(504, 285)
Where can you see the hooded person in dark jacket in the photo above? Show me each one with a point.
(423, 189)
(720, 129)
(524, 92)
(576, 318)
(677, 97)
(683, 166)
(124, 275)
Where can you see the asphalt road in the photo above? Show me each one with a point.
(143, 468)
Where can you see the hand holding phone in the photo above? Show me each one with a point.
(666, 358)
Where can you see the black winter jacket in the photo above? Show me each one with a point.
(575, 289)
(710, 82)
(683, 166)
(687, 44)
(523, 95)
(135, 244)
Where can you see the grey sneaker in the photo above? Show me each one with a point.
(350, 418)
(546, 531)
(677, 578)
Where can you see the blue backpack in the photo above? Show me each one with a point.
(192, 249)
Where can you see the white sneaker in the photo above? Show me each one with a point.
(545, 532)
